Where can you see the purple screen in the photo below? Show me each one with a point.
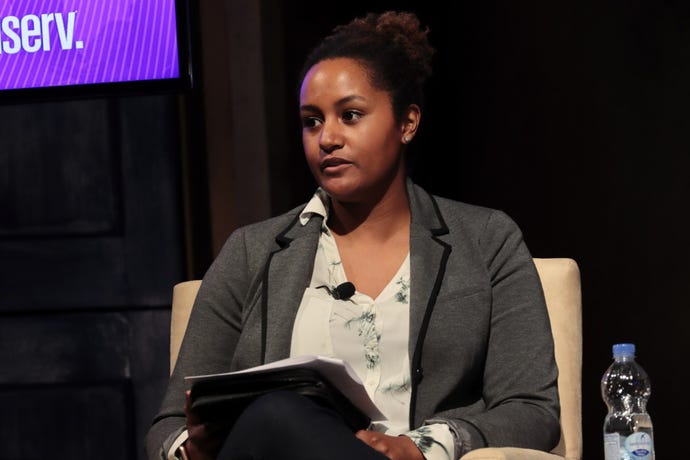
(72, 42)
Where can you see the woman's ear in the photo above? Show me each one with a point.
(410, 123)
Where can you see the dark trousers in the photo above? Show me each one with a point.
(287, 426)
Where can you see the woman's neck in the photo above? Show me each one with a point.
(380, 219)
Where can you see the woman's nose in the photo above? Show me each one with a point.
(331, 137)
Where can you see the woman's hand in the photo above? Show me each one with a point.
(205, 439)
(393, 447)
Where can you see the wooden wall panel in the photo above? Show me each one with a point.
(59, 172)
(67, 422)
(91, 244)
(66, 388)
(91, 204)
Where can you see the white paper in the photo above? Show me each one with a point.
(338, 372)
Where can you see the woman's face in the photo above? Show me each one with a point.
(351, 138)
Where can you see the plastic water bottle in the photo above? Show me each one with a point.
(625, 388)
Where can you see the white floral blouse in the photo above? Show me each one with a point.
(370, 334)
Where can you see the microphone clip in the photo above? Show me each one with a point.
(342, 291)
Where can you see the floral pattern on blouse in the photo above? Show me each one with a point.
(364, 326)
(423, 437)
(403, 294)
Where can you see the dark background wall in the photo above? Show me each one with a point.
(91, 239)
(571, 117)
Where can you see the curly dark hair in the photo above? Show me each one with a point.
(393, 48)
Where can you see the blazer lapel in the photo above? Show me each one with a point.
(429, 254)
(287, 275)
(427, 266)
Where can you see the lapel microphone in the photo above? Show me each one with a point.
(342, 291)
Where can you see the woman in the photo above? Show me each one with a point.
(447, 326)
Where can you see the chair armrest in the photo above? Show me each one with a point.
(509, 453)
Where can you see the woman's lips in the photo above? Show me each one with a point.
(332, 165)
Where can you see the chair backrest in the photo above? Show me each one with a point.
(560, 278)
(184, 294)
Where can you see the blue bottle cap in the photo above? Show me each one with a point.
(624, 349)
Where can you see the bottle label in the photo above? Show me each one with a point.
(637, 446)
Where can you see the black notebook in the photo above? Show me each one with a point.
(331, 382)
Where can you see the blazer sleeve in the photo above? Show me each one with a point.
(213, 331)
(519, 393)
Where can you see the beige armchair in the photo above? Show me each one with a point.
(560, 279)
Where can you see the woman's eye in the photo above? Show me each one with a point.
(351, 115)
(310, 122)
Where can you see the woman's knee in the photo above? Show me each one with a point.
(277, 410)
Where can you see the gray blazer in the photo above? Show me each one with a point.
(481, 347)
